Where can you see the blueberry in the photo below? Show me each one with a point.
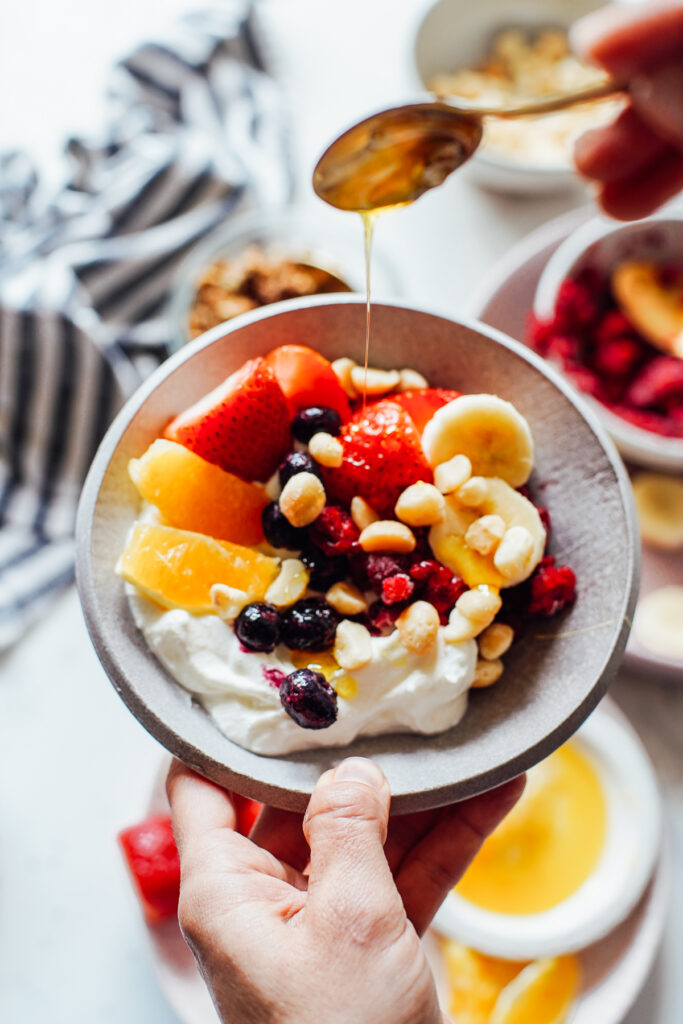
(278, 530)
(324, 569)
(309, 699)
(258, 627)
(310, 421)
(309, 625)
(297, 462)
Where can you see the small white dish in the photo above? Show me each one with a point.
(601, 243)
(457, 33)
(607, 897)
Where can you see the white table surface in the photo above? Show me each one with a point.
(74, 764)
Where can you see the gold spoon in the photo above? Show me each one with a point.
(391, 158)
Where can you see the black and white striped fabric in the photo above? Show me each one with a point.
(195, 133)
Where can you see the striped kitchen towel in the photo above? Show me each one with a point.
(194, 133)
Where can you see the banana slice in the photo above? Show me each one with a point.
(489, 431)
(658, 622)
(447, 539)
(655, 309)
(659, 503)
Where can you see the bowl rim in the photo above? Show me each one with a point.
(657, 451)
(104, 639)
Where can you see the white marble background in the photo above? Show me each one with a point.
(74, 764)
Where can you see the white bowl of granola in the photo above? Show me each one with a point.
(487, 53)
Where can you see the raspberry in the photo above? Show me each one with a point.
(576, 304)
(421, 571)
(309, 699)
(652, 421)
(658, 384)
(335, 532)
(618, 357)
(552, 588)
(545, 519)
(380, 618)
(586, 380)
(442, 590)
(397, 588)
(614, 324)
(539, 332)
(565, 348)
(370, 571)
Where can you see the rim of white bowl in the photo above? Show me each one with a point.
(634, 836)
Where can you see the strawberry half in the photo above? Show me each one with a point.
(382, 456)
(152, 858)
(422, 403)
(307, 378)
(241, 426)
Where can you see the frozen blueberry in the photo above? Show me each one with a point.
(309, 699)
(297, 462)
(309, 625)
(278, 530)
(258, 627)
(311, 421)
(324, 569)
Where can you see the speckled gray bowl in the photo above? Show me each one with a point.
(553, 678)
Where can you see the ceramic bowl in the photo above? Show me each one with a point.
(457, 33)
(601, 243)
(291, 233)
(553, 678)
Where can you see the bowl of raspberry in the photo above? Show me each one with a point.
(608, 311)
(285, 558)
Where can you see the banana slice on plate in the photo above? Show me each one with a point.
(520, 549)
(654, 308)
(489, 431)
(659, 503)
(658, 622)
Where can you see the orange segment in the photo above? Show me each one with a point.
(177, 568)
(542, 993)
(475, 982)
(193, 494)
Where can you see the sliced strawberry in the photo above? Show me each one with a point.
(241, 426)
(382, 456)
(422, 403)
(152, 858)
(307, 378)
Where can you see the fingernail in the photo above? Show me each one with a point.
(359, 769)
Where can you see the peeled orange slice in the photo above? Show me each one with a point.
(475, 982)
(177, 568)
(193, 494)
(542, 993)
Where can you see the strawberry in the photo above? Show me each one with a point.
(382, 456)
(422, 403)
(241, 426)
(307, 379)
(152, 858)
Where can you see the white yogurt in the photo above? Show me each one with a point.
(397, 691)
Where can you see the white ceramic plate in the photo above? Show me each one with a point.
(634, 824)
(503, 300)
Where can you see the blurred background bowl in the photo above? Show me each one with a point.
(457, 34)
(600, 244)
(301, 236)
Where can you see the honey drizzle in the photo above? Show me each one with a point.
(368, 217)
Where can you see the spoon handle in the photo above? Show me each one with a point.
(558, 101)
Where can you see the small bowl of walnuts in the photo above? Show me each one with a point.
(269, 256)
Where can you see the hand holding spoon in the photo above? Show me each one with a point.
(391, 158)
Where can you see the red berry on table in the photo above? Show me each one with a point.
(241, 426)
(307, 379)
(152, 858)
(382, 456)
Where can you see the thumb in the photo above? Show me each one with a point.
(346, 826)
